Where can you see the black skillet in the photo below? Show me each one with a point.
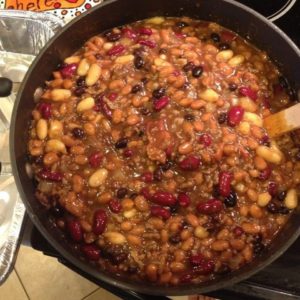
(233, 15)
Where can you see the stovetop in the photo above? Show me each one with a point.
(281, 279)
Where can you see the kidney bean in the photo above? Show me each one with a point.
(161, 103)
(265, 174)
(146, 193)
(79, 91)
(75, 230)
(128, 153)
(91, 252)
(272, 188)
(205, 268)
(248, 92)
(224, 183)
(190, 163)
(112, 96)
(210, 207)
(95, 159)
(235, 115)
(186, 278)
(222, 118)
(158, 211)
(196, 260)
(238, 231)
(180, 35)
(113, 36)
(67, 71)
(183, 200)
(227, 36)
(164, 198)
(116, 50)
(115, 206)
(103, 107)
(49, 175)
(129, 33)
(45, 110)
(147, 177)
(205, 139)
(148, 43)
(99, 222)
(145, 31)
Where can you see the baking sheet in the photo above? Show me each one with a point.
(22, 35)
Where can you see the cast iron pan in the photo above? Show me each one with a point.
(113, 13)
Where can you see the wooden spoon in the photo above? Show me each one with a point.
(283, 121)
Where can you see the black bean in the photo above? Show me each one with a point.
(215, 37)
(121, 143)
(163, 51)
(158, 93)
(292, 94)
(231, 200)
(197, 71)
(272, 207)
(145, 111)
(224, 46)
(258, 248)
(175, 239)
(57, 211)
(222, 118)
(132, 269)
(121, 192)
(181, 24)
(232, 87)
(144, 80)
(189, 117)
(112, 36)
(223, 269)
(133, 195)
(139, 62)
(157, 174)
(141, 133)
(257, 238)
(38, 159)
(78, 133)
(174, 208)
(281, 195)
(188, 67)
(283, 82)
(167, 166)
(79, 91)
(81, 81)
(136, 88)
(297, 155)
(116, 259)
(283, 210)
(215, 191)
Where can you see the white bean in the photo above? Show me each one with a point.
(72, 59)
(224, 55)
(60, 95)
(264, 199)
(209, 95)
(98, 177)
(236, 60)
(55, 145)
(83, 67)
(291, 199)
(269, 154)
(93, 75)
(124, 59)
(55, 129)
(253, 119)
(115, 237)
(155, 20)
(42, 129)
(85, 104)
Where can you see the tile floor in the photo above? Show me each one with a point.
(37, 277)
(40, 277)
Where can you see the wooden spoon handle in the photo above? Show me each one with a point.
(283, 121)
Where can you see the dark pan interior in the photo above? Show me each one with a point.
(114, 13)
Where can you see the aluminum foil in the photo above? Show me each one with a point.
(22, 35)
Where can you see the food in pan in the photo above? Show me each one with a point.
(149, 151)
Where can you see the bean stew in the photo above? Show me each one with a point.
(148, 149)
